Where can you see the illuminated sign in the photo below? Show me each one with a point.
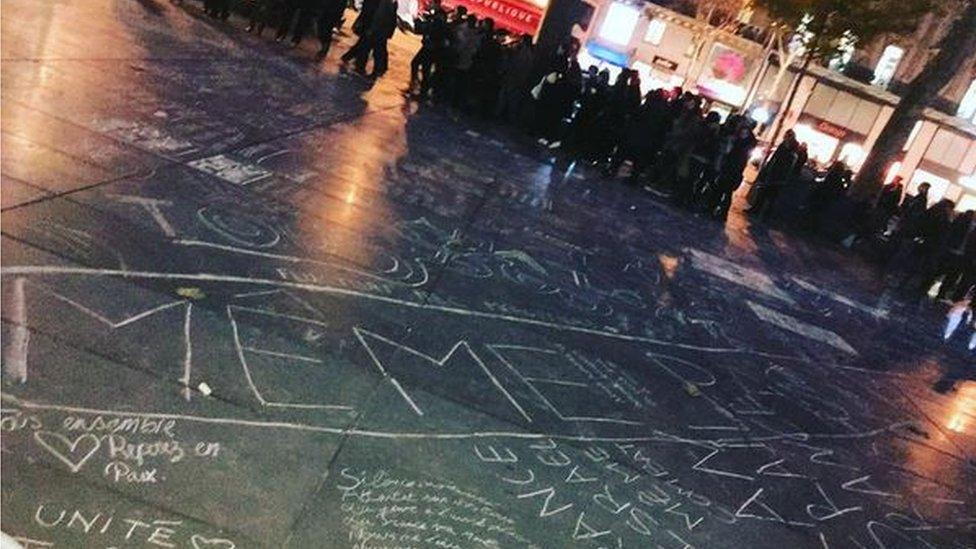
(665, 64)
(725, 75)
(517, 16)
(832, 130)
(604, 53)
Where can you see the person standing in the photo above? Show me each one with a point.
(960, 240)
(824, 193)
(889, 198)
(290, 10)
(486, 69)
(924, 245)
(515, 81)
(329, 19)
(775, 174)
(719, 199)
(467, 40)
(432, 26)
(264, 13)
(376, 32)
(698, 165)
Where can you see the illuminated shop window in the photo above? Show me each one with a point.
(887, 65)
(655, 31)
(852, 154)
(820, 146)
(969, 182)
(618, 25)
(967, 108)
(967, 202)
(939, 185)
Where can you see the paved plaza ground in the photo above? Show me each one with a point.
(250, 301)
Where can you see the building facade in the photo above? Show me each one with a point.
(839, 117)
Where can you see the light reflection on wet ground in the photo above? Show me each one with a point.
(373, 290)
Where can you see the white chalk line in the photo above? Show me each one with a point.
(15, 354)
(379, 366)
(21, 270)
(279, 315)
(365, 433)
(101, 318)
(188, 356)
(296, 259)
(439, 362)
(300, 358)
(495, 350)
(250, 380)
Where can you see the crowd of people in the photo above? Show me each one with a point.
(669, 139)
(922, 246)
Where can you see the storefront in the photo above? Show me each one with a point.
(671, 50)
(840, 119)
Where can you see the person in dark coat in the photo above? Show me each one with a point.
(516, 81)
(264, 13)
(486, 69)
(559, 91)
(290, 10)
(652, 125)
(373, 39)
(775, 174)
(719, 199)
(890, 197)
(886, 206)
(362, 21)
(960, 242)
(623, 100)
(686, 116)
(698, 165)
(432, 25)
(824, 193)
(329, 18)
(585, 133)
(924, 245)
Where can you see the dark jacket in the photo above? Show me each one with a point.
(365, 17)
(384, 20)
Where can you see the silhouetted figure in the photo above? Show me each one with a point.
(264, 13)
(432, 26)
(824, 193)
(328, 20)
(924, 245)
(957, 258)
(373, 39)
(291, 10)
(719, 199)
(782, 166)
(515, 81)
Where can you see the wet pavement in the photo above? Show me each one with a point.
(249, 301)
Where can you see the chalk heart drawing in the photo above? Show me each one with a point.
(78, 452)
(200, 542)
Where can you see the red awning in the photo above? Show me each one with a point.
(511, 15)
